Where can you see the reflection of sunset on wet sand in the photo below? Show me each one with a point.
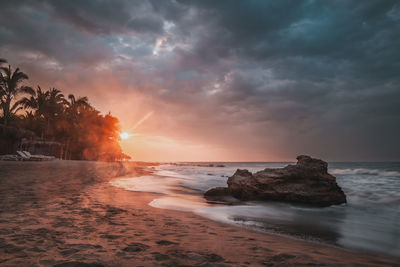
(199, 133)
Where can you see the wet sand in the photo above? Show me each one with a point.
(60, 212)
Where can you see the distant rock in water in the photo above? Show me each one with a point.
(307, 182)
(196, 164)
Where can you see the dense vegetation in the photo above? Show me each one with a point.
(50, 116)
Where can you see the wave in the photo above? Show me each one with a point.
(168, 173)
(363, 171)
(151, 184)
(368, 221)
(177, 202)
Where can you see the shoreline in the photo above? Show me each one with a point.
(284, 234)
(64, 211)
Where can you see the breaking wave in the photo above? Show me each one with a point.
(369, 221)
(363, 171)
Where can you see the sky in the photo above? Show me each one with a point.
(222, 80)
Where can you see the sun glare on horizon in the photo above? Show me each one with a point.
(124, 135)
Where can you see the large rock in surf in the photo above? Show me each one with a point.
(306, 182)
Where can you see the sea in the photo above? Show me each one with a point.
(369, 222)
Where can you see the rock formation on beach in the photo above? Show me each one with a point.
(307, 182)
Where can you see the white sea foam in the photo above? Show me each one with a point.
(168, 173)
(368, 221)
(179, 203)
(363, 171)
(253, 210)
(175, 198)
(152, 184)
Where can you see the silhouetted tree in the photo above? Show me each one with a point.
(47, 106)
(85, 132)
(75, 105)
(10, 88)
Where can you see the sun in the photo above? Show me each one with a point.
(124, 135)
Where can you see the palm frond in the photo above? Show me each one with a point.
(6, 70)
(71, 97)
(28, 90)
(15, 107)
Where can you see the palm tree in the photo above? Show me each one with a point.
(75, 106)
(47, 106)
(78, 102)
(54, 109)
(73, 112)
(9, 89)
(35, 101)
(56, 97)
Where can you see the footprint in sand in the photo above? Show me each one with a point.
(107, 236)
(136, 247)
(78, 264)
(166, 243)
(160, 257)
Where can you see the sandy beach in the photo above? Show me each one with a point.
(64, 212)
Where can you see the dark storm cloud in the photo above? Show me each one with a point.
(31, 28)
(334, 67)
(105, 17)
(318, 77)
